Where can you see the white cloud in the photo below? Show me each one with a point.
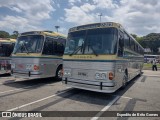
(63, 30)
(137, 16)
(32, 13)
(36, 9)
(87, 7)
(72, 2)
(16, 23)
(78, 16)
(16, 9)
(86, 13)
(105, 4)
(58, 5)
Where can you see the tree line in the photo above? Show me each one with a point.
(151, 41)
(4, 34)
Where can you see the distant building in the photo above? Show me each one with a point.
(147, 50)
(159, 50)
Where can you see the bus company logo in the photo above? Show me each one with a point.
(83, 57)
(20, 66)
(21, 114)
(82, 74)
(6, 114)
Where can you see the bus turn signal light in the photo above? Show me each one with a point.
(111, 76)
(36, 67)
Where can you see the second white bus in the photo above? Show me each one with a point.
(38, 54)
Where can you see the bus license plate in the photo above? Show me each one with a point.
(82, 74)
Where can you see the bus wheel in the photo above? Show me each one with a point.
(140, 74)
(59, 73)
(125, 80)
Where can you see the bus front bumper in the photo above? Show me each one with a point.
(104, 87)
(5, 72)
(26, 75)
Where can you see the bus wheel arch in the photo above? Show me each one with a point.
(125, 79)
(126, 72)
(59, 72)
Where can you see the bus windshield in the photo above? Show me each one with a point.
(92, 41)
(6, 49)
(29, 44)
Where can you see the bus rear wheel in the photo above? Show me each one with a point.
(125, 80)
(59, 73)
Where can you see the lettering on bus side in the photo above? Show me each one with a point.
(83, 57)
(82, 74)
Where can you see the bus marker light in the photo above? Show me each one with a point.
(36, 67)
(111, 76)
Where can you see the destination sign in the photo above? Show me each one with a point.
(96, 25)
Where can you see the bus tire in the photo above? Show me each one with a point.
(59, 73)
(125, 80)
(140, 74)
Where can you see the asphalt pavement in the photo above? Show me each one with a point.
(49, 97)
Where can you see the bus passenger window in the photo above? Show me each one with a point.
(48, 47)
(54, 47)
(60, 47)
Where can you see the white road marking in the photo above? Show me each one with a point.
(140, 82)
(37, 101)
(18, 89)
(151, 75)
(7, 82)
(122, 96)
(105, 108)
(141, 77)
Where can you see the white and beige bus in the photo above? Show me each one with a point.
(6, 48)
(101, 57)
(38, 54)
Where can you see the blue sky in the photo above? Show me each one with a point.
(137, 16)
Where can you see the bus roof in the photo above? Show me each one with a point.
(50, 33)
(95, 25)
(150, 55)
(7, 40)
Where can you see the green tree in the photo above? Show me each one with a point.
(16, 32)
(151, 41)
(14, 35)
(4, 34)
(137, 38)
(134, 36)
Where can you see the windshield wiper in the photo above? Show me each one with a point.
(92, 50)
(22, 45)
(25, 48)
(75, 51)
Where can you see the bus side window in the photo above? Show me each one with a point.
(60, 47)
(48, 47)
(126, 41)
(120, 46)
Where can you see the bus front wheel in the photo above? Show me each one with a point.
(59, 73)
(125, 80)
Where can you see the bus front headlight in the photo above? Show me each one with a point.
(67, 72)
(29, 66)
(13, 65)
(100, 76)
